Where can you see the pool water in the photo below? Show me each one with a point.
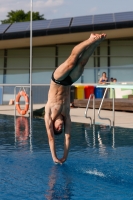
(99, 165)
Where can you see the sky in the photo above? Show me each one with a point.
(53, 9)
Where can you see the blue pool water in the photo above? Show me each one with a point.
(99, 165)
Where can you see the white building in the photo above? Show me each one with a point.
(53, 41)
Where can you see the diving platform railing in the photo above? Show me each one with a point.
(87, 107)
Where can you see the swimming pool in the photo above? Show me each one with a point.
(99, 165)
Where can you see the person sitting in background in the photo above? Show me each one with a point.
(114, 80)
(111, 80)
(103, 79)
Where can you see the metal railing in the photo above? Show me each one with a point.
(87, 107)
(102, 118)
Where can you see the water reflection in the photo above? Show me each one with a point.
(59, 184)
(22, 128)
(88, 128)
(85, 175)
(99, 136)
(96, 136)
(23, 131)
(113, 133)
(102, 136)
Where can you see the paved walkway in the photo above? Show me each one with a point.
(122, 119)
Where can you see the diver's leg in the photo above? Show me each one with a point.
(80, 53)
(77, 71)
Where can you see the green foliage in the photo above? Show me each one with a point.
(21, 16)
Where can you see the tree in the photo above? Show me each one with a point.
(21, 16)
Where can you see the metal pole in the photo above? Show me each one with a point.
(113, 107)
(93, 109)
(113, 138)
(31, 106)
(15, 102)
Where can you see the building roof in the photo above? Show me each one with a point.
(68, 25)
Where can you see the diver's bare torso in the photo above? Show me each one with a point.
(58, 101)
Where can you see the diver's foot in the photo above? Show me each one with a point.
(97, 38)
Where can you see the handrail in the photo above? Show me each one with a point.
(101, 107)
(21, 85)
(87, 107)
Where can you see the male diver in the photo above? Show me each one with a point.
(57, 108)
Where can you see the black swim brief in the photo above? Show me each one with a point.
(67, 81)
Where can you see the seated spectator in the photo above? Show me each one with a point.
(114, 80)
(103, 79)
(111, 80)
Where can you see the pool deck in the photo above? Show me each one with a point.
(122, 119)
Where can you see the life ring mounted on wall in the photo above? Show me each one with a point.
(19, 95)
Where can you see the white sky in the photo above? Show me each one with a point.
(66, 8)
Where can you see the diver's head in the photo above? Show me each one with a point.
(58, 125)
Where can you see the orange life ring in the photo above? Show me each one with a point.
(24, 111)
(22, 122)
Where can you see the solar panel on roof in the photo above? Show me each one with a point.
(83, 20)
(41, 24)
(106, 18)
(3, 27)
(60, 23)
(18, 27)
(125, 16)
(95, 22)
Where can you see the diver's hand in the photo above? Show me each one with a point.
(62, 160)
(57, 161)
